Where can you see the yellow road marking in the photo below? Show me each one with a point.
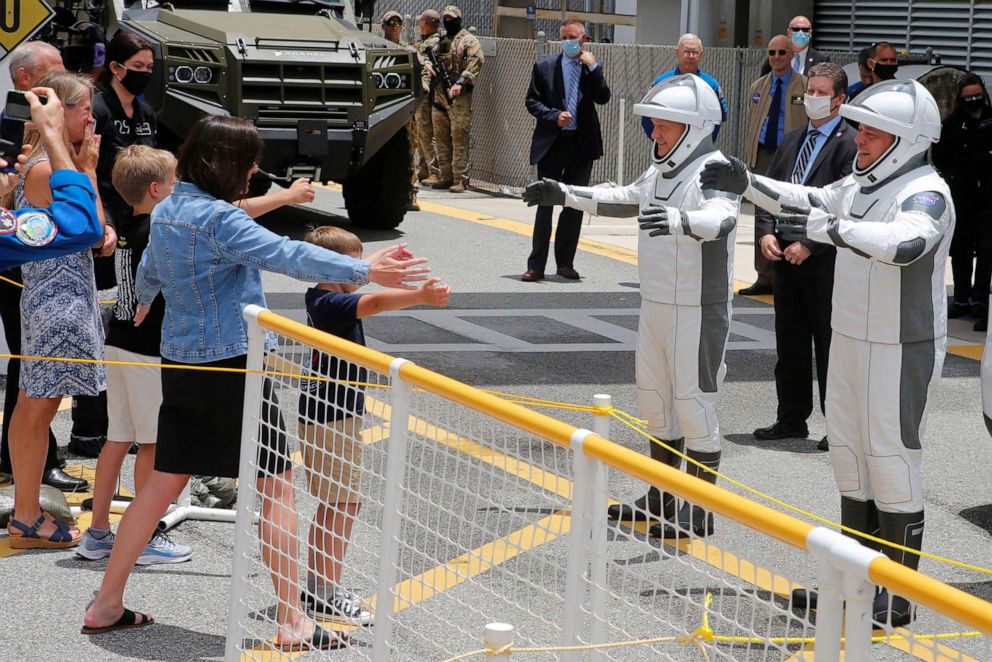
(967, 351)
(926, 649)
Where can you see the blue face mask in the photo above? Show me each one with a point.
(571, 47)
(800, 39)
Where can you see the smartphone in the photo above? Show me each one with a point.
(11, 141)
(18, 107)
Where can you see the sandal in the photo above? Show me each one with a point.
(321, 639)
(129, 619)
(28, 537)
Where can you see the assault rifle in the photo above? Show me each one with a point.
(440, 72)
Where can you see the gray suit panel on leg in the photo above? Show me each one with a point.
(714, 327)
(918, 360)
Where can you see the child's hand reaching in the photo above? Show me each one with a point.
(434, 294)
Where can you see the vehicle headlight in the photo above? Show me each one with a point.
(392, 81)
(203, 75)
(181, 74)
(377, 79)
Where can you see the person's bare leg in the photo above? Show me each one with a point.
(143, 465)
(329, 537)
(277, 536)
(108, 471)
(135, 530)
(28, 448)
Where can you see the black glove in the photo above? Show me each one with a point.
(656, 219)
(731, 177)
(790, 223)
(545, 193)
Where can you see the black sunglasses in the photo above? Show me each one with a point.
(781, 51)
(393, 23)
(796, 29)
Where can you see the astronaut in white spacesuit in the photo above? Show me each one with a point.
(891, 221)
(685, 260)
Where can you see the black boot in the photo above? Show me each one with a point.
(692, 518)
(905, 529)
(655, 504)
(854, 514)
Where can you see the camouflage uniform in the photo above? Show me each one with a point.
(423, 130)
(462, 57)
(411, 126)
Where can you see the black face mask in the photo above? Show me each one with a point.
(973, 103)
(885, 71)
(135, 82)
(453, 26)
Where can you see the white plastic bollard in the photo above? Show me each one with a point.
(497, 636)
(620, 139)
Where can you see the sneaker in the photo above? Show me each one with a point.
(161, 549)
(344, 606)
(93, 548)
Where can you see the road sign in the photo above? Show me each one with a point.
(20, 19)
(531, 12)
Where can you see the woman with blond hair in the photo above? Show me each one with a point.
(60, 317)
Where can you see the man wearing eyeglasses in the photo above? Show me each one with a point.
(688, 55)
(804, 56)
(775, 107)
(392, 30)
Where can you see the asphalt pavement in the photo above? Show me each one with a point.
(559, 340)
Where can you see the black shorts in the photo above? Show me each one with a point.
(199, 424)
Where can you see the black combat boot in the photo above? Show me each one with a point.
(655, 504)
(858, 515)
(692, 518)
(904, 529)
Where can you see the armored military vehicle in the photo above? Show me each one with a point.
(330, 100)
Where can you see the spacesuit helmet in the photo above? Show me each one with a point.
(685, 99)
(903, 108)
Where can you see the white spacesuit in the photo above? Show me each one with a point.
(892, 221)
(685, 259)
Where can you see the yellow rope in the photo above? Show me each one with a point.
(627, 419)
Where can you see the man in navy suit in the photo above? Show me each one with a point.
(817, 154)
(563, 91)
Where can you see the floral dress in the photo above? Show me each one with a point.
(60, 317)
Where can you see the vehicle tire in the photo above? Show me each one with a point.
(377, 196)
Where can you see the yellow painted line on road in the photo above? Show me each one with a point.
(926, 649)
(967, 351)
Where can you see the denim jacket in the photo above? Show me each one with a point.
(206, 256)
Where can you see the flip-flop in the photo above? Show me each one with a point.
(321, 639)
(129, 619)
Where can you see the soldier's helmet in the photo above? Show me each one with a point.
(688, 100)
(903, 108)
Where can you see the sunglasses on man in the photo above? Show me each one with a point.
(780, 52)
(394, 23)
(798, 29)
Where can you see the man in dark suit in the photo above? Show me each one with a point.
(815, 155)
(563, 91)
(804, 56)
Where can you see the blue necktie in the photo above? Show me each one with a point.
(797, 63)
(799, 172)
(771, 129)
(572, 93)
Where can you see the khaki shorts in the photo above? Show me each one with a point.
(134, 395)
(332, 455)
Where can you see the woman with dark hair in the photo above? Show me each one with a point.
(963, 158)
(205, 256)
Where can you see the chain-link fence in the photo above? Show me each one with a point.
(502, 128)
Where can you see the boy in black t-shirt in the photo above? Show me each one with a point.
(330, 423)
(143, 176)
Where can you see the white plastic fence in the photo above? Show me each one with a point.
(474, 510)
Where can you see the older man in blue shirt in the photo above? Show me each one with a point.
(688, 54)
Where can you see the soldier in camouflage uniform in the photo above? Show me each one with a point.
(427, 171)
(461, 54)
(392, 29)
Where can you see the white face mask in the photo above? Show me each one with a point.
(817, 107)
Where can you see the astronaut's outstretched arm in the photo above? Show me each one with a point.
(715, 218)
(770, 194)
(615, 201)
(913, 232)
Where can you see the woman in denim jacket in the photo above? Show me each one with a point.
(205, 255)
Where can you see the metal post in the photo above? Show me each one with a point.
(246, 497)
(621, 130)
(540, 45)
(392, 509)
(598, 504)
(496, 637)
(577, 563)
